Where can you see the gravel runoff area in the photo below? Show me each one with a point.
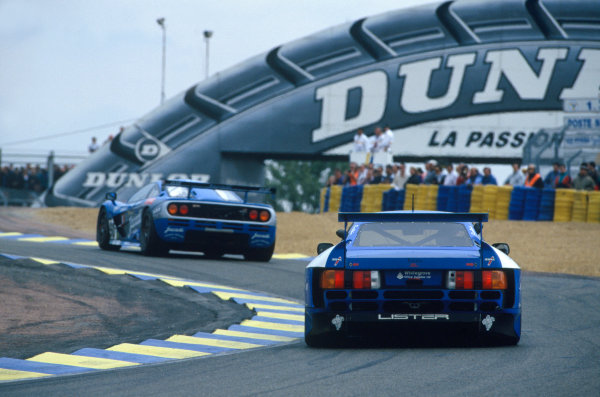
(76, 312)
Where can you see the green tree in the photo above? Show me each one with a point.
(299, 183)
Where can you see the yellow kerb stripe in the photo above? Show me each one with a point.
(11, 374)
(228, 295)
(87, 243)
(79, 361)
(289, 256)
(253, 305)
(42, 239)
(253, 335)
(10, 234)
(276, 326)
(45, 261)
(282, 316)
(181, 283)
(211, 342)
(156, 351)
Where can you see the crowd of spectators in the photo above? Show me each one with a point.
(436, 174)
(29, 177)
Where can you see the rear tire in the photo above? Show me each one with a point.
(103, 232)
(260, 254)
(150, 243)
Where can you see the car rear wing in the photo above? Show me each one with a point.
(234, 188)
(412, 217)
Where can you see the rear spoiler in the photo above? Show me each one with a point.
(412, 217)
(233, 188)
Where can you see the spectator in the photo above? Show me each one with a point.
(389, 174)
(338, 178)
(488, 178)
(414, 178)
(377, 141)
(533, 179)
(400, 178)
(377, 175)
(593, 173)
(463, 174)
(516, 178)
(563, 180)
(388, 139)
(451, 176)
(362, 174)
(474, 178)
(583, 181)
(361, 142)
(93, 146)
(439, 175)
(351, 175)
(430, 177)
(551, 177)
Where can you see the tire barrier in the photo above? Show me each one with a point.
(500, 202)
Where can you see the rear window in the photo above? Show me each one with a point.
(406, 234)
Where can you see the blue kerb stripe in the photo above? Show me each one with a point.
(43, 368)
(143, 277)
(241, 301)
(205, 290)
(22, 236)
(277, 320)
(234, 338)
(70, 241)
(75, 265)
(185, 346)
(12, 256)
(112, 355)
(245, 328)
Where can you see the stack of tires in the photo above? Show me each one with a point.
(452, 204)
(580, 206)
(563, 205)
(351, 198)
(476, 199)
(502, 202)
(442, 198)
(410, 192)
(546, 212)
(464, 198)
(389, 200)
(335, 198)
(593, 215)
(432, 195)
(488, 204)
(421, 197)
(532, 204)
(517, 202)
(372, 197)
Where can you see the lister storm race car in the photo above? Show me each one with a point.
(190, 216)
(398, 274)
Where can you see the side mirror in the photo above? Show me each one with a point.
(477, 227)
(340, 233)
(502, 247)
(323, 247)
(112, 196)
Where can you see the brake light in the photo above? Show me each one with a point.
(458, 279)
(183, 209)
(332, 279)
(172, 209)
(493, 279)
(264, 215)
(365, 279)
(253, 215)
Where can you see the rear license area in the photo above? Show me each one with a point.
(413, 278)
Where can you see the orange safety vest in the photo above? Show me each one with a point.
(532, 181)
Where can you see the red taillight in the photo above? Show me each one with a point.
(361, 279)
(332, 279)
(172, 209)
(253, 215)
(458, 279)
(264, 216)
(183, 209)
(493, 279)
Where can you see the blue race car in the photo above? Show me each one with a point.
(190, 216)
(403, 274)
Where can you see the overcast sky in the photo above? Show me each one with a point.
(69, 65)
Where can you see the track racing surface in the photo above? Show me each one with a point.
(559, 352)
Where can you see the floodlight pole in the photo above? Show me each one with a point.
(161, 23)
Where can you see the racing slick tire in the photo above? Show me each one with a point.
(260, 254)
(150, 243)
(103, 232)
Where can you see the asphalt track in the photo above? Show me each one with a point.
(559, 353)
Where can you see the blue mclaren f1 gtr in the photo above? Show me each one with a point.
(190, 216)
(405, 273)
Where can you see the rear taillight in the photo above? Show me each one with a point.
(264, 216)
(493, 279)
(458, 279)
(259, 215)
(172, 209)
(365, 279)
(183, 209)
(253, 215)
(332, 279)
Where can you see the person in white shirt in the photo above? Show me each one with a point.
(361, 142)
(401, 177)
(516, 178)
(378, 141)
(451, 176)
(388, 139)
